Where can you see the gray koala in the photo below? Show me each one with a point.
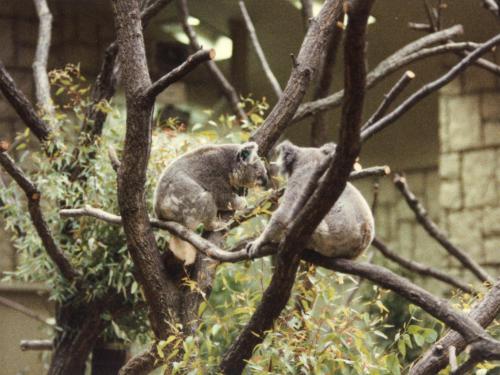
(345, 231)
(199, 184)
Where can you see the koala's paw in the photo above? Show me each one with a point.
(253, 248)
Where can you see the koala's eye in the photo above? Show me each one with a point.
(245, 154)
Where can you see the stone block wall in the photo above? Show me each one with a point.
(469, 166)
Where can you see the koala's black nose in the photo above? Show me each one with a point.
(263, 181)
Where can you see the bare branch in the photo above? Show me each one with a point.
(33, 195)
(22, 105)
(387, 66)
(390, 97)
(113, 158)
(324, 81)
(492, 6)
(421, 269)
(176, 74)
(23, 310)
(307, 65)
(433, 230)
(41, 78)
(39, 345)
(429, 88)
(226, 87)
(260, 53)
(152, 10)
(436, 358)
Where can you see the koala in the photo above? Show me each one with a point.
(346, 230)
(198, 185)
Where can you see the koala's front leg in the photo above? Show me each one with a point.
(272, 233)
(237, 203)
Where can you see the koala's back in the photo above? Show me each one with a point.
(347, 229)
(195, 185)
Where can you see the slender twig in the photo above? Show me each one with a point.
(452, 352)
(430, 16)
(492, 6)
(226, 87)
(433, 230)
(429, 88)
(436, 358)
(390, 97)
(259, 51)
(22, 105)
(421, 269)
(382, 70)
(38, 345)
(420, 26)
(113, 158)
(33, 195)
(176, 74)
(41, 78)
(23, 310)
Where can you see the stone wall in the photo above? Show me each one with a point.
(469, 165)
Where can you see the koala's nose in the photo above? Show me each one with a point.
(263, 181)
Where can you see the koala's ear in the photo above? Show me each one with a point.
(287, 156)
(247, 151)
(328, 148)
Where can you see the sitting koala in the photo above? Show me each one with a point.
(199, 184)
(344, 232)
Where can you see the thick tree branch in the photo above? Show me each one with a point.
(429, 88)
(303, 72)
(473, 333)
(224, 85)
(160, 290)
(288, 258)
(33, 195)
(319, 129)
(22, 105)
(390, 97)
(41, 78)
(433, 230)
(421, 269)
(392, 63)
(259, 51)
(436, 358)
(176, 74)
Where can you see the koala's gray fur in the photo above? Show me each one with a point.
(346, 230)
(199, 184)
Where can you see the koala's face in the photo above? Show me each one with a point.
(249, 169)
(292, 159)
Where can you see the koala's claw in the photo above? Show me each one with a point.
(252, 249)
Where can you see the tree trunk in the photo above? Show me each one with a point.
(80, 326)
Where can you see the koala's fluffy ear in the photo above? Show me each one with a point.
(328, 148)
(248, 151)
(287, 156)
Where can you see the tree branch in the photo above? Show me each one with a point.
(433, 230)
(302, 73)
(492, 6)
(23, 310)
(260, 53)
(307, 12)
(436, 358)
(160, 289)
(33, 195)
(421, 269)
(429, 88)
(41, 345)
(143, 363)
(176, 74)
(318, 126)
(224, 85)
(278, 292)
(22, 106)
(41, 78)
(387, 66)
(389, 98)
